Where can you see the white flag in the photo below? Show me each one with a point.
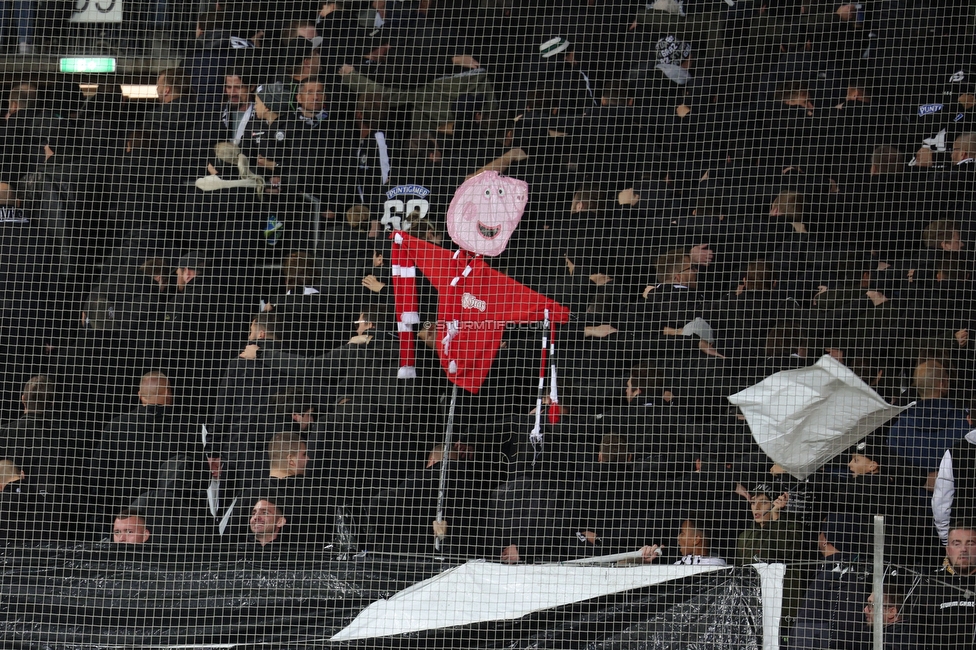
(802, 418)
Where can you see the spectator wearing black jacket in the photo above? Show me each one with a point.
(212, 54)
(402, 519)
(308, 313)
(237, 109)
(243, 423)
(946, 601)
(323, 150)
(134, 446)
(605, 512)
(32, 511)
(199, 331)
(668, 306)
(179, 136)
(359, 371)
(37, 441)
(901, 632)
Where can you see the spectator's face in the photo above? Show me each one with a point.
(632, 392)
(265, 519)
(311, 97)
(260, 109)
(131, 530)
(961, 551)
(889, 617)
(687, 538)
(301, 459)
(304, 420)
(954, 245)
(363, 325)
(307, 32)
(183, 277)
(959, 154)
(861, 465)
(163, 93)
(762, 509)
(238, 95)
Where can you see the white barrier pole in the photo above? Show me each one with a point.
(878, 589)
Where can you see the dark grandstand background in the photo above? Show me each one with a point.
(203, 436)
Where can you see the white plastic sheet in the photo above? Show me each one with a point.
(802, 418)
(481, 591)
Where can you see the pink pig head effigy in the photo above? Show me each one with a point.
(485, 211)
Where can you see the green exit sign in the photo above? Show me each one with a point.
(101, 64)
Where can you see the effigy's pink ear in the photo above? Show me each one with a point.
(485, 211)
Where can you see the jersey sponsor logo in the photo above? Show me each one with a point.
(12, 215)
(957, 76)
(929, 109)
(238, 43)
(470, 301)
(957, 603)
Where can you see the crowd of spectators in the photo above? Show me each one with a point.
(198, 340)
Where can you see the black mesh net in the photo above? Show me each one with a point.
(484, 324)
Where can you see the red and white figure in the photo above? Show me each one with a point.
(476, 301)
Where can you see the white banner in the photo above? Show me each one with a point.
(97, 11)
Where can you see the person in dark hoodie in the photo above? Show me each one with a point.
(212, 53)
(921, 434)
(830, 616)
(24, 124)
(287, 412)
(200, 329)
(241, 427)
(36, 440)
(874, 485)
(32, 511)
(901, 631)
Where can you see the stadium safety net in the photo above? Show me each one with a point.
(488, 324)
